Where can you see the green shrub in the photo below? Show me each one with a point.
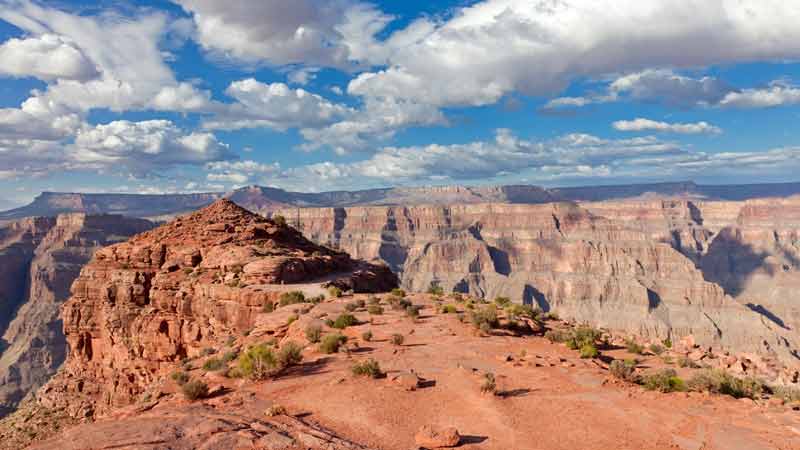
(334, 292)
(397, 292)
(397, 339)
(502, 301)
(344, 321)
(373, 300)
(489, 385)
(517, 311)
(188, 270)
(485, 318)
(351, 307)
(559, 336)
(229, 356)
(589, 351)
(194, 390)
(331, 343)
(398, 303)
(213, 364)
(376, 310)
(583, 335)
(258, 362)
(316, 300)
(366, 336)
(449, 309)
(656, 349)
(624, 370)
(367, 368)
(292, 319)
(685, 361)
(208, 351)
(180, 377)
(667, 342)
(435, 290)
(788, 393)
(721, 382)
(413, 311)
(291, 298)
(313, 333)
(634, 347)
(289, 355)
(665, 380)
(279, 220)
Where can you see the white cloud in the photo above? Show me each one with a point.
(778, 94)
(641, 124)
(142, 147)
(241, 172)
(275, 106)
(46, 57)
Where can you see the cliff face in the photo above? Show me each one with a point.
(139, 307)
(39, 259)
(720, 271)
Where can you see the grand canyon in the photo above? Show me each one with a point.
(94, 330)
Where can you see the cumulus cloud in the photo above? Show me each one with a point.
(778, 94)
(275, 106)
(240, 172)
(641, 124)
(46, 57)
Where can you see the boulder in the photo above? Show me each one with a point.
(431, 437)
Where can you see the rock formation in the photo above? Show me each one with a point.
(141, 306)
(723, 272)
(39, 259)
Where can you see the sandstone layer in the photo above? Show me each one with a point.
(39, 260)
(141, 306)
(725, 273)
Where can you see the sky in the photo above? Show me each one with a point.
(315, 95)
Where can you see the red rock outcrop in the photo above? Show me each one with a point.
(39, 259)
(141, 306)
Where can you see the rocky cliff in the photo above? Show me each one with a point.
(141, 306)
(723, 272)
(39, 260)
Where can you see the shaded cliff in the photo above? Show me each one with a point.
(39, 260)
(661, 269)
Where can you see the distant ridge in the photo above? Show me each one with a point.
(263, 200)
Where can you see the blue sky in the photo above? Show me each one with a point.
(312, 95)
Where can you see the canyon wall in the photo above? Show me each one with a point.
(724, 272)
(39, 259)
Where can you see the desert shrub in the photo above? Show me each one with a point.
(457, 297)
(194, 390)
(787, 393)
(516, 311)
(316, 300)
(485, 318)
(268, 307)
(291, 319)
(558, 335)
(258, 362)
(502, 301)
(344, 321)
(589, 351)
(279, 220)
(334, 292)
(331, 343)
(229, 356)
(413, 311)
(376, 310)
(366, 336)
(634, 347)
(583, 335)
(667, 343)
(275, 410)
(351, 307)
(291, 298)
(289, 355)
(213, 364)
(398, 303)
(313, 333)
(435, 290)
(367, 368)
(397, 292)
(449, 309)
(721, 382)
(208, 351)
(624, 370)
(180, 377)
(188, 270)
(685, 361)
(398, 339)
(657, 349)
(489, 384)
(665, 380)
(373, 300)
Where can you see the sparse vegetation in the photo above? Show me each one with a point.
(188, 270)
(279, 220)
(331, 343)
(289, 355)
(589, 351)
(435, 290)
(787, 393)
(180, 377)
(485, 318)
(502, 301)
(314, 333)
(213, 364)
(634, 347)
(685, 361)
(559, 336)
(367, 368)
(721, 382)
(489, 384)
(665, 380)
(194, 390)
(208, 351)
(413, 311)
(398, 339)
(275, 410)
(398, 303)
(366, 336)
(229, 356)
(375, 310)
(334, 292)
(399, 293)
(344, 321)
(292, 319)
(449, 309)
(656, 349)
(373, 300)
(624, 370)
(584, 335)
(258, 362)
(291, 298)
